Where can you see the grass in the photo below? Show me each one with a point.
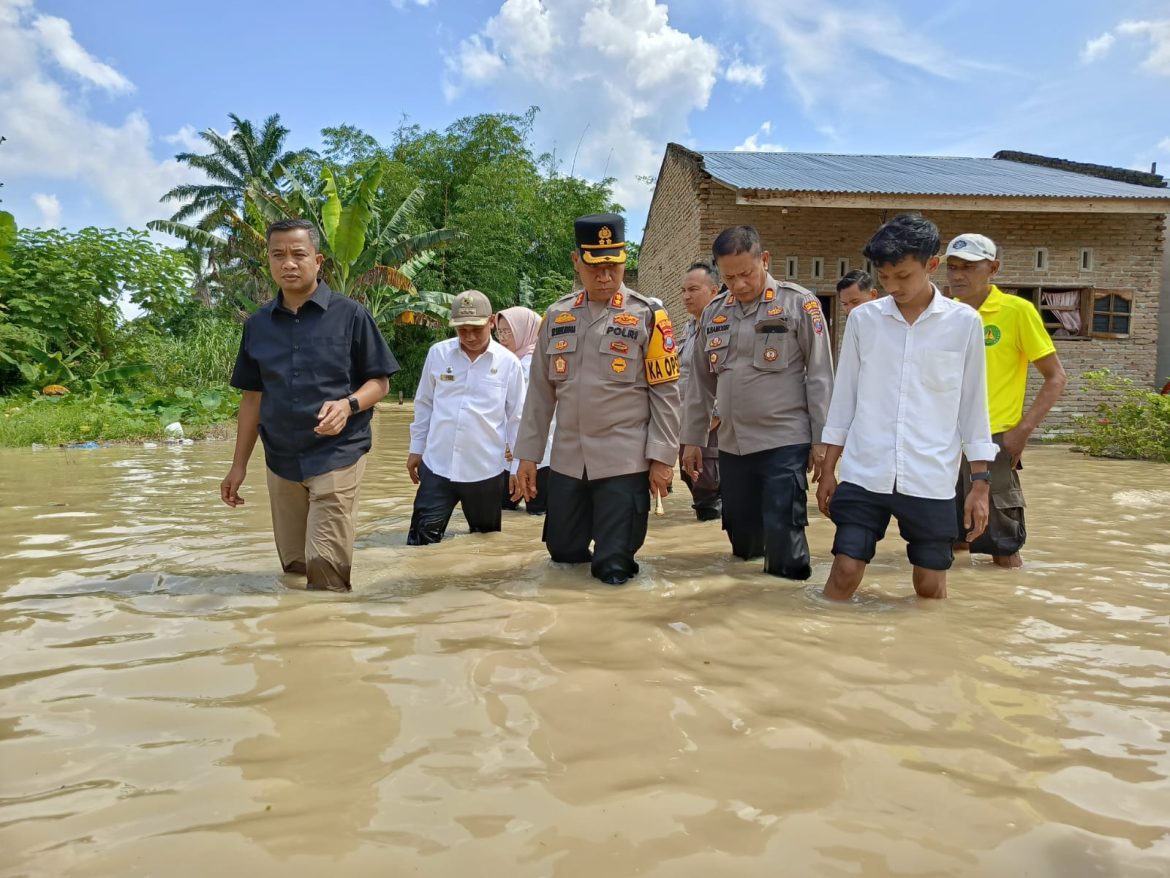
(26, 421)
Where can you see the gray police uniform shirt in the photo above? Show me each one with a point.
(613, 382)
(768, 365)
(686, 342)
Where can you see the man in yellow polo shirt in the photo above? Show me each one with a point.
(1013, 336)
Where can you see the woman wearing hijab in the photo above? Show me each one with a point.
(517, 329)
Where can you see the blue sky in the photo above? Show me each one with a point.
(97, 97)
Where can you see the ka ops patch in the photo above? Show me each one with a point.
(661, 356)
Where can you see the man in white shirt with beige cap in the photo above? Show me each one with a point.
(466, 415)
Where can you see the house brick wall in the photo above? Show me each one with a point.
(1127, 255)
(670, 242)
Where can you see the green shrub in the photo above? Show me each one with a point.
(1134, 423)
(101, 417)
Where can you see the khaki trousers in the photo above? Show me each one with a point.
(313, 522)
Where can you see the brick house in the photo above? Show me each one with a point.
(1086, 245)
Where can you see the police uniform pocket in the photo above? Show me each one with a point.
(560, 359)
(716, 352)
(942, 371)
(768, 354)
(620, 368)
(799, 499)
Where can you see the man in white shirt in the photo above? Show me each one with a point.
(910, 398)
(466, 414)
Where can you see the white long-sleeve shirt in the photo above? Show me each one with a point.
(910, 398)
(467, 413)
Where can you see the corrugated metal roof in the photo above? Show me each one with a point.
(910, 175)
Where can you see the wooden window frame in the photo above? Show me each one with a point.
(1095, 295)
(1084, 306)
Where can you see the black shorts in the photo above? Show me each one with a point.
(1006, 532)
(861, 516)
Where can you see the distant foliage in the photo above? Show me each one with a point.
(1134, 423)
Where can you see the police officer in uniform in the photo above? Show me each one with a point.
(699, 286)
(762, 351)
(605, 360)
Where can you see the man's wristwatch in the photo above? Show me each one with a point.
(354, 405)
(984, 476)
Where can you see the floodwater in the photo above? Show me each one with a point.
(171, 706)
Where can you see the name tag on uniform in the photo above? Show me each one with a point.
(446, 377)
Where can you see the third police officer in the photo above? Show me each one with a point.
(762, 351)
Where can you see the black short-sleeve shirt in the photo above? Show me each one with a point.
(299, 361)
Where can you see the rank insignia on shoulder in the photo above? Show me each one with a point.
(580, 300)
(565, 317)
(769, 295)
(619, 347)
(618, 365)
(617, 300)
(560, 365)
(719, 318)
(625, 319)
(770, 354)
(730, 300)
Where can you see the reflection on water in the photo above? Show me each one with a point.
(171, 705)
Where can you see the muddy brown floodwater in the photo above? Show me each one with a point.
(169, 706)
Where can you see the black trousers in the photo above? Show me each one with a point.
(537, 506)
(765, 508)
(611, 513)
(705, 489)
(436, 499)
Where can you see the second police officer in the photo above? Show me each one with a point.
(762, 351)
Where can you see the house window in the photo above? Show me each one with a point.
(1064, 310)
(1112, 313)
(1087, 259)
(1041, 262)
(790, 267)
(818, 269)
(842, 268)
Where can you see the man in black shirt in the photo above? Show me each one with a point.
(311, 365)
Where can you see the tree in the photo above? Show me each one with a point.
(62, 290)
(243, 158)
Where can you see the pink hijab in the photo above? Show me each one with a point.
(525, 326)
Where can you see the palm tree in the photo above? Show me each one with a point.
(241, 159)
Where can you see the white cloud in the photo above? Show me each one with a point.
(753, 143)
(51, 132)
(1097, 48)
(746, 74)
(188, 138)
(1158, 61)
(850, 55)
(56, 37)
(402, 4)
(50, 209)
(614, 75)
